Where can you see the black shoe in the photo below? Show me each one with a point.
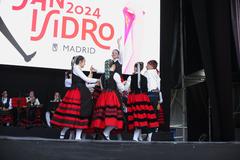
(96, 137)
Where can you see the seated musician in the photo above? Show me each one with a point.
(52, 107)
(6, 115)
(32, 101)
(31, 115)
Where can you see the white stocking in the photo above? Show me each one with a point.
(107, 131)
(78, 134)
(149, 137)
(136, 134)
(47, 116)
(63, 132)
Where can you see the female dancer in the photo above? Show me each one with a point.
(141, 114)
(76, 108)
(108, 114)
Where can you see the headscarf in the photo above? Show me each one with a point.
(73, 61)
(108, 65)
(139, 75)
(139, 67)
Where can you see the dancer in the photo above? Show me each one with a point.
(116, 57)
(108, 114)
(76, 108)
(154, 91)
(68, 84)
(141, 114)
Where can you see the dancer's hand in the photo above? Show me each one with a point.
(124, 82)
(92, 69)
(98, 83)
(119, 39)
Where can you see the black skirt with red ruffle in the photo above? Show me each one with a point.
(140, 113)
(68, 113)
(108, 111)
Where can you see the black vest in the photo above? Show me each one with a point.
(6, 105)
(118, 68)
(134, 84)
(77, 81)
(108, 84)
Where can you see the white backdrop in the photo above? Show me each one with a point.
(60, 29)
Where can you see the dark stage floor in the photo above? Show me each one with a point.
(53, 133)
(22, 148)
(43, 143)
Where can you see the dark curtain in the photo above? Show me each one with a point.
(207, 44)
(169, 57)
(197, 112)
(213, 26)
(235, 14)
(192, 53)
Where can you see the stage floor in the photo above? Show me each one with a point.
(16, 148)
(53, 133)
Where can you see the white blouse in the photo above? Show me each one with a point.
(68, 82)
(153, 79)
(128, 83)
(153, 82)
(117, 79)
(4, 101)
(90, 82)
(78, 72)
(36, 102)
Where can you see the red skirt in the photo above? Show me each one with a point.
(108, 111)
(160, 115)
(68, 113)
(6, 116)
(140, 113)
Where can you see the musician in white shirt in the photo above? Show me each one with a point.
(32, 100)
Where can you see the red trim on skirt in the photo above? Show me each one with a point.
(68, 112)
(107, 111)
(141, 113)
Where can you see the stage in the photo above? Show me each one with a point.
(53, 133)
(16, 148)
(43, 143)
